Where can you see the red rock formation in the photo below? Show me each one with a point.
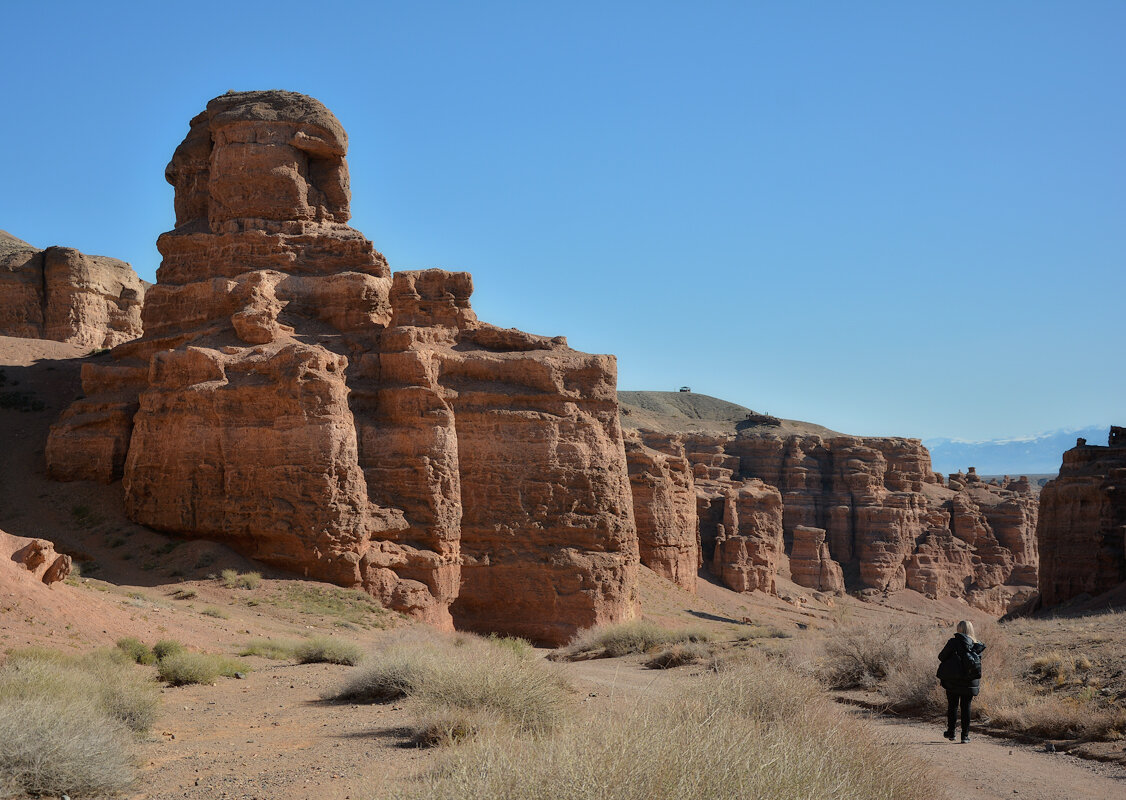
(1082, 526)
(888, 521)
(39, 558)
(664, 506)
(64, 295)
(749, 546)
(293, 400)
(812, 565)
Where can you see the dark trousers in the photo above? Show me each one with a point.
(953, 700)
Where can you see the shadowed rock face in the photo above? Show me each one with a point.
(1082, 527)
(67, 296)
(294, 399)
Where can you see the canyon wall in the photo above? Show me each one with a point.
(837, 512)
(1082, 525)
(64, 295)
(294, 399)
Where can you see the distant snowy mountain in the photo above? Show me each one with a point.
(1030, 455)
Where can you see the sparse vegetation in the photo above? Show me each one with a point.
(276, 649)
(184, 594)
(136, 650)
(233, 579)
(65, 722)
(326, 649)
(182, 668)
(347, 607)
(637, 636)
(719, 738)
(167, 647)
(212, 611)
(458, 682)
(678, 655)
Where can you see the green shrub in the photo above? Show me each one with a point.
(325, 649)
(136, 650)
(167, 647)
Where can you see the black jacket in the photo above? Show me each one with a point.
(960, 641)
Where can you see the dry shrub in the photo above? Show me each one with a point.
(756, 731)
(1055, 717)
(444, 726)
(137, 651)
(328, 650)
(232, 579)
(678, 655)
(183, 668)
(623, 638)
(276, 649)
(66, 722)
(864, 655)
(445, 676)
(166, 647)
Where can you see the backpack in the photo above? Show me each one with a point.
(962, 665)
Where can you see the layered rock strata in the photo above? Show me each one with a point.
(64, 295)
(1082, 526)
(857, 513)
(292, 398)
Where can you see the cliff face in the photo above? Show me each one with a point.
(1082, 526)
(67, 296)
(294, 399)
(855, 512)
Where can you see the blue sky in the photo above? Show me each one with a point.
(885, 217)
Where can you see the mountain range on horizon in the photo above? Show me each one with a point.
(1037, 454)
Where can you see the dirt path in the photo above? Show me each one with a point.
(986, 768)
(990, 768)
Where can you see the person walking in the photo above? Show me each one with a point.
(959, 670)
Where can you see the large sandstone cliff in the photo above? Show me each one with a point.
(64, 295)
(296, 400)
(848, 512)
(1082, 527)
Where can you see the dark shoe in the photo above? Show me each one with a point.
(965, 738)
(949, 735)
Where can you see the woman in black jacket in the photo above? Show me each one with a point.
(960, 672)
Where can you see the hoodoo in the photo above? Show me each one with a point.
(294, 399)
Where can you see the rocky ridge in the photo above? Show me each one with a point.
(1082, 525)
(836, 512)
(67, 296)
(294, 399)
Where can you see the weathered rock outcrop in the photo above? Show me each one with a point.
(811, 563)
(664, 503)
(1082, 525)
(748, 545)
(39, 558)
(292, 398)
(64, 295)
(856, 512)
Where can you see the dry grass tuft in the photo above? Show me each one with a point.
(722, 737)
(623, 638)
(182, 668)
(232, 579)
(276, 649)
(66, 722)
(328, 650)
(678, 655)
(137, 651)
(449, 677)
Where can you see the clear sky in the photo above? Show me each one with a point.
(902, 218)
